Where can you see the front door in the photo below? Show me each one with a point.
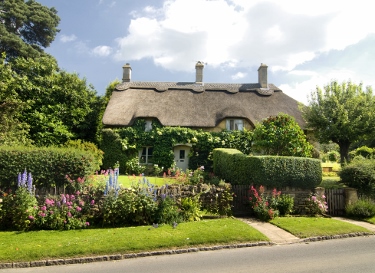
(181, 156)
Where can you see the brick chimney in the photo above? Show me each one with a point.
(262, 76)
(199, 72)
(126, 73)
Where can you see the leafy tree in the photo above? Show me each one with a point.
(103, 104)
(59, 106)
(26, 28)
(341, 113)
(12, 130)
(281, 135)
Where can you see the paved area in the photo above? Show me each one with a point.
(280, 236)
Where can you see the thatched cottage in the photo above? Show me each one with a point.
(199, 105)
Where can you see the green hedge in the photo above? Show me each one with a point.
(48, 166)
(271, 171)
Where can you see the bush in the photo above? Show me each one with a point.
(167, 211)
(363, 151)
(49, 166)
(191, 208)
(285, 204)
(363, 208)
(316, 205)
(133, 167)
(360, 174)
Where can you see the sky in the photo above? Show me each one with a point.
(305, 44)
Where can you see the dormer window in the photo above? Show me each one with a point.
(234, 124)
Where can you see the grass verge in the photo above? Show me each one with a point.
(371, 220)
(41, 245)
(304, 227)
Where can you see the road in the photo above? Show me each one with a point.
(340, 255)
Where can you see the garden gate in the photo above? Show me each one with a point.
(336, 201)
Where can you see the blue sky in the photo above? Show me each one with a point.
(304, 43)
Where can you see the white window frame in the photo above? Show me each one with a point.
(234, 124)
(144, 155)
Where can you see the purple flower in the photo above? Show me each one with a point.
(30, 183)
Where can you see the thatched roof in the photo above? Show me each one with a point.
(190, 104)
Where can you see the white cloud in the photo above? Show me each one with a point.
(102, 51)
(239, 75)
(299, 37)
(67, 38)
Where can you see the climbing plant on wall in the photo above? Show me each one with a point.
(124, 143)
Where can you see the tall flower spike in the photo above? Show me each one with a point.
(24, 178)
(30, 183)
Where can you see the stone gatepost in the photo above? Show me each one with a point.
(350, 196)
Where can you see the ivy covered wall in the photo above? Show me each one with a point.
(122, 144)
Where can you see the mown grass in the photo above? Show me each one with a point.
(371, 220)
(304, 227)
(41, 245)
(127, 181)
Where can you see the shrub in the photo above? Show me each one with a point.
(285, 204)
(267, 207)
(363, 151)
(263, 207)
(19, 209)
(360, 174)
(64, 212)
(191, 208)
(316, 205)
(197, 176)
(167, 211)
(363, 208)
(133, 167)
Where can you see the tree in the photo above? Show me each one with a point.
(12, 130)
(58, 106)
(341, 113)
(281, 135)
(26, 28)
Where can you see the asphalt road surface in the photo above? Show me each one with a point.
(339, 255)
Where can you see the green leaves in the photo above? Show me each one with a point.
(342, 113)
(281, 135)
(26, 28)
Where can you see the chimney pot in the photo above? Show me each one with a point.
(126, 73)
(199, 72)
(262, 75)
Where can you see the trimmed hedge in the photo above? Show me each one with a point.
(270, 171)
(48, 166)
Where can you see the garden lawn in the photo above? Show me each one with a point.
(42, 245)
(304, 227)
(126, 181)
(371, 220)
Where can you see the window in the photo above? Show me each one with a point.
(148, 125)
(146, 155)
(234, 124)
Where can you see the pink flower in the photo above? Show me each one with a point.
(92, 202)
(81, 203)
(44, 208)
(31, 217)
(78, 208)
(50, 202)
(87, 223)
(77, 192)
(69, 214)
